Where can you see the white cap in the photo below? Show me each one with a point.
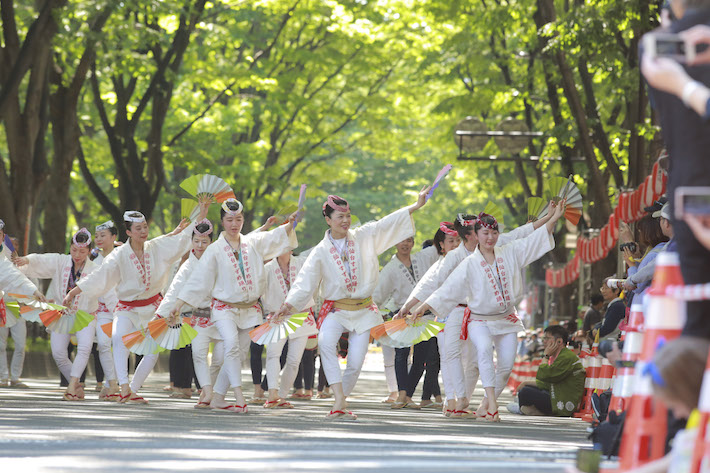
(665, 212)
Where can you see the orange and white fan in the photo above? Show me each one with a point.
(204, 188)
(62, 320)
(171, 337)
(561, 189)
(535, 206)
(270, 332)
(409, 332)
(30, 308)
(141, 343)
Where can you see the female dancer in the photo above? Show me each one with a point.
(344, 265)
(200, 317)
(459, 358)
(280, 274)
(105, 241)
(396, 281)
(66, 271)
(490, 281)
(138, 271)
(231, 271)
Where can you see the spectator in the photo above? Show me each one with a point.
(686, 134)
(559, 384)
(615, 311)
(652, 238)
(594, 314)
(532, 345)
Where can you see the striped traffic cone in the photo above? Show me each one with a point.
(645, 427)
(592, 369)
(625, 374)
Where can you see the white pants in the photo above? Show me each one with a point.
(463, 371)
(206, 373)
(122, 325)
(236, 350)
(390, 376)
(328, 337)
(103, 343)
(445, 375)
(19, 336)
(494, 375)
(84, 341)
(290, 370)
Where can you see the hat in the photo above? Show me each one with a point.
(665, 212)
(657, 205)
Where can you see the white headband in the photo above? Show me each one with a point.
(127, 217)
(83, 244)
(206, 232)
(229, 211)
(105, 226)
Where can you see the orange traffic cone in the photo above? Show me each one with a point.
(625, 373)
(592, 369)
(645, 428)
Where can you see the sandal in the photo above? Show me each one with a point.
(131, 397)
(398, 405)
(271, 404)
(256, 400)
(284, 405)
(412, 405)
(202, 405)
(301, 396)
(324, 395)
(345, 415)
(71, 397)
(111, 397)
(231, 408)
(179, 395)
(449, 412)
(492, 417)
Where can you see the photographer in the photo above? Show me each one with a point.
(686, 131)
(640, 273)
(615, 311)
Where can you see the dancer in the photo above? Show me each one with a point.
(490, 280)
(67, 271)
(344, 265)
(459, 358)
(105, 240)
(396, 281)
(138, 271)
(232, 272)
(280, 274)
(201, 317)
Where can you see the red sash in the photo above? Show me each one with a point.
(3, 313)
(141, 302)
(464, 324)
(325, 309)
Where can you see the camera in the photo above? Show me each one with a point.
(668, 45)
(692, 200)
(632, 246)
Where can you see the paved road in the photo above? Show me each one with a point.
(41, 433)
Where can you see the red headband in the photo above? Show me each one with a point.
(444, 227)
(465, 223)
(331, 203)
(492, 226)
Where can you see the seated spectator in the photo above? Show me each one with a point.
(615, 312)
(593, 315)
(532, 345)
(559, 384)
(653, 237)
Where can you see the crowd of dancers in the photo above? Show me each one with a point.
(469, 279)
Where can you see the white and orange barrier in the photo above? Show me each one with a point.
(626, 374)
(523, 370)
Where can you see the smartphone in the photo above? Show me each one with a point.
(668, 45)
(693, 201)
(588, 460)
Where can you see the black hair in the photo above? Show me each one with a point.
(488, 220)
(82, 237)
(202, 228)
(129, 224)
(427, 243)
(463, 230)
(650, 233)
(113, 231)
(558, 331)
(597, 298)
(231, 205)
(328, 210)
(440, 237)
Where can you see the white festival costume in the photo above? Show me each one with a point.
(104, 315)
(458, 359)
(13, 281)
(277, 287)
(206, 330)
(58, 268)
(219, 275)
(491, 292)
(138, 285)
(325, 272)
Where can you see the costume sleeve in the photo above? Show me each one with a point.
(427, 257)
(12, 280)
(515, 234)
(42, 266)
(455, 289)
(106, 277)
(171, 296)
(274, 243)
(385, 286)
(201, 279)
(389, 230)
(615, 313)
(303, 290)
(532, 247)
(173, 247)
(435, 277)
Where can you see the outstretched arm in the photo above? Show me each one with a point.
(421, 200)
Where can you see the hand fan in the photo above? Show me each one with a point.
(189, 209)
(30, 308)
(65, 321)
(378, 331)
(171, 337)
(283, 214)
(535, 206)
(301, 203)
(8, 243)
(270, 332)
(141, 343)
(561, 188)
(108, 329)
(495, 211)
(412, 333)
(442, 174)
(208, 187)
